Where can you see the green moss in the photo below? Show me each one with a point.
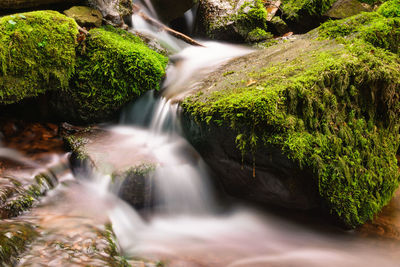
(24, 197)
(292, 9)
(114, 68)
(37, 53)
(370, 27)
(333, 108)
(14, 237)
(249, 22)
(114, 259)
(390, 9)
(77, 146)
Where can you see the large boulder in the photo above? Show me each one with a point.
(37, 54)
(318, 117)
(113, 68)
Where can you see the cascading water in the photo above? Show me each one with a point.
(185, 227)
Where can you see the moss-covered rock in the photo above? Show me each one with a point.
(235, 21)
(113, 68)
(37, 53)
(332, 107)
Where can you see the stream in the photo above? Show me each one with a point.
(188, 225)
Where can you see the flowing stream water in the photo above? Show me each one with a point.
(188, 226)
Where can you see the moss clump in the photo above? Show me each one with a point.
(251, 21)
(390, 9)
(113, 68)
(373, 28)
(332, 108)
(246, 22)
(37, 53)
(294, 9)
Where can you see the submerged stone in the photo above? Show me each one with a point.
(306, 122)
(37, 54)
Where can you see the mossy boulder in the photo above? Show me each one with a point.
(113, 68)
(331, 107)
(37, 54)
(235, 21)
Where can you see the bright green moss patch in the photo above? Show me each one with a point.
(373, 28)
(114, 67)
(37, 53)
(390, 9)
(332, 108)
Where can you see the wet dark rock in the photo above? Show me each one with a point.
(130, 170)
(134, 186)
(276, 179)
(169, 10)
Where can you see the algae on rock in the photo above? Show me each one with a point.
(37, 53)
(330, 106)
